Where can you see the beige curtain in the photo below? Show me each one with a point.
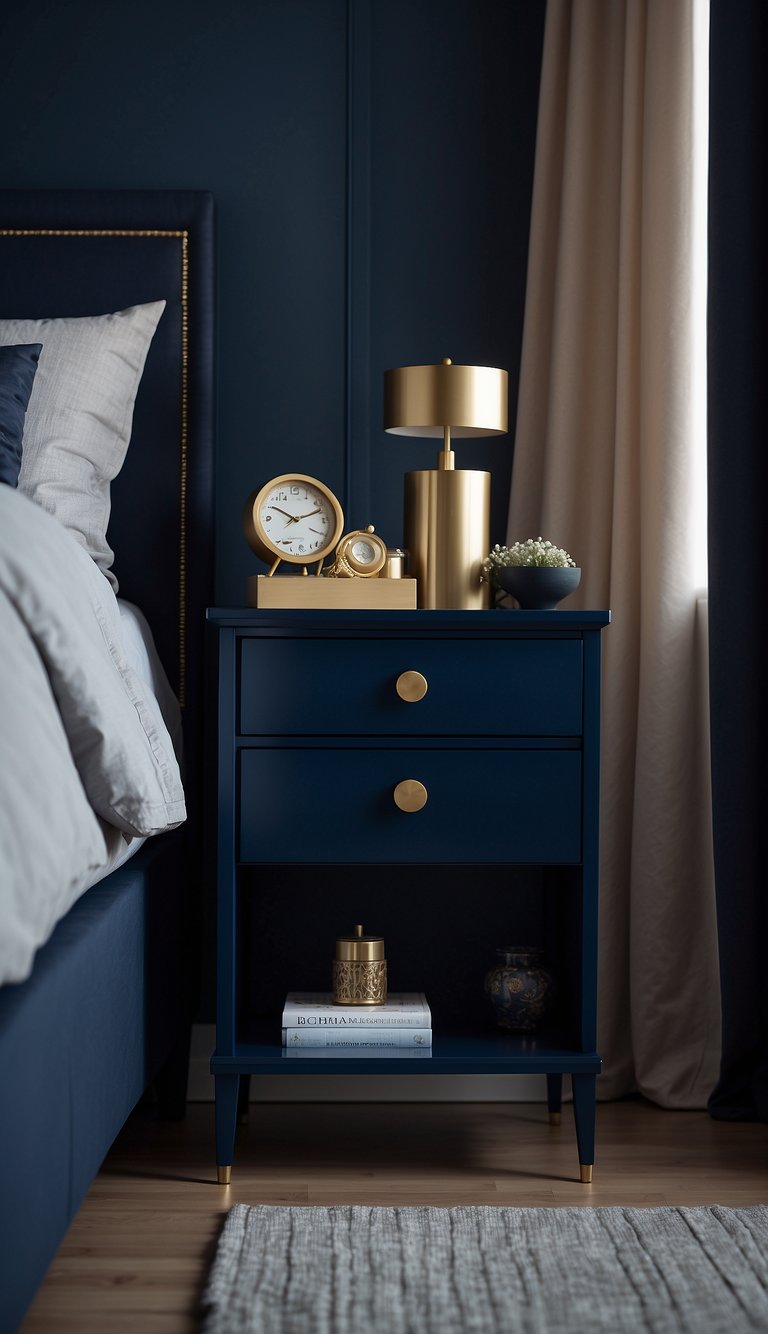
(609, 457)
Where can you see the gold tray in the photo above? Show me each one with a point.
(296, 591)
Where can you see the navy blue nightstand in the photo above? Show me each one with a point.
(511, 715)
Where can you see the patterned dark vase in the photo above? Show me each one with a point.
(519, 988)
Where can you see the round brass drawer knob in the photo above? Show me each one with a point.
(411, 686)
(410, 795)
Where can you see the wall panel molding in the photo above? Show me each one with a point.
(357, 442)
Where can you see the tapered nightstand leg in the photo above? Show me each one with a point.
(554, 1098)
(584, 1116)
(227, 1089)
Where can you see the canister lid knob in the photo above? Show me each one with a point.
(359, 947)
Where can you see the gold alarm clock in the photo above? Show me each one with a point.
(293, 518)
(361, 554)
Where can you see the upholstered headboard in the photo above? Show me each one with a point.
(93, 252)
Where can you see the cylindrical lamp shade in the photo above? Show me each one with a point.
(447, 536)
(422, 400)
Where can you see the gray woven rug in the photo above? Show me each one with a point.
(355, 1270)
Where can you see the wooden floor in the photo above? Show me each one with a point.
(137, 1253)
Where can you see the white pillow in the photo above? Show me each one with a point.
(80, 413)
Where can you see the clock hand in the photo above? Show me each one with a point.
(307, 516)
(292, 518)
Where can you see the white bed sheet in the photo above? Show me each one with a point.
(142, 655)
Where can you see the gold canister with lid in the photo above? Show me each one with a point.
(359, 970)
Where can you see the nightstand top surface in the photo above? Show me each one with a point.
(502, 619)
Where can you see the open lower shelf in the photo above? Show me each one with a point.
(450, 1054)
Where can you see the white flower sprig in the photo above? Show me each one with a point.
(534, 551)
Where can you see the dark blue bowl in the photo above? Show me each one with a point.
(538, 587)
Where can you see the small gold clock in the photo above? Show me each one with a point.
(360, 554)
(293, 518)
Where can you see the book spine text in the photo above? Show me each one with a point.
(357, 1037)
(359, 1019)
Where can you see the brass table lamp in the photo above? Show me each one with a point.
(447, 509)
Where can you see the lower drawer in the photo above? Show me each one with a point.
(316, 805)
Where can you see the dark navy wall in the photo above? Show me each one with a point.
(371, 162)
(455, 100)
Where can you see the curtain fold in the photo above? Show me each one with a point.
(610, 443)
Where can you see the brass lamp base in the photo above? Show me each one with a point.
(447, 527)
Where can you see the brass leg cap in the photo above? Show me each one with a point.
(224, 1174)
(585, 1173)
(554, 1118)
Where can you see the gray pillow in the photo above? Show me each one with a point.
(17, 375)
(80, 412)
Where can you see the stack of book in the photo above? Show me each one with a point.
(312, 1023)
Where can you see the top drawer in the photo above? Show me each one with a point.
(481, 687)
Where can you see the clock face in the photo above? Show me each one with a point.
(364, 551)
(295, 518)
(298, 519)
